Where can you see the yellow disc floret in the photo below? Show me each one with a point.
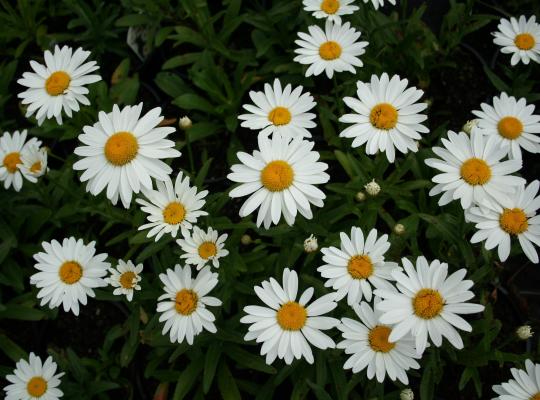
(510, 128)
(330, 6)
(279, 116)
(70, 272)
(383, 116)
(513, 221)
(277, 176)
(174, 213)
(330, 50)
(360, 267)
(207, 250)
(475, 171)
(36, 387)
(378, 339)
(524, 41)
(11, 160)
(57, 83)
(127, 279)
(292, 316)
(428, 303)
(186, 302)
(121, 148)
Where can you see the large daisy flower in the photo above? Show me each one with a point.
(123, 152)
(286, 326)
(333, 50)
(386, 116)
(367, 341)
(358, 264)
(471, 169)
(280, 110)
(512, 122)
(280, 179)
(125, 278)
(512, 215)
(68, 273)
(524, 386)
(380, 3)
(521, 38)
(202, 247)
(183, 305)
(58, 85)
(428, 302)
(34, 379)
(171, 208)
(12, 148)
(34, 162)
(330, 9)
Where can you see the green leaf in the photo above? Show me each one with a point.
(211, 362)
(12, 349)
(226, 384)
(248, 360)
(187, 379)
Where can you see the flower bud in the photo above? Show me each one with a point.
(245, 239)
(406, 394)
(185, 123)
(524, 332)
(310, 244)
(372, 188)
(399, 229)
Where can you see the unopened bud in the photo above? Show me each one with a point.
(524, 332)
(310, 244)
(406, 394)
(399, 229)
(372, 188)
(185, 123)
(245, 239)
(469, 126)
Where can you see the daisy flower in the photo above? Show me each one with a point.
(521, 38)
(123, 152)
(524, 386)
(202, 247)
(357, 265)
(512, 215)
(280, 110)
(171, 208)
(125, 278)
(34, 379)
(333, 50)
(386, 116)
(471, 169)
(183, 305)
(58, 85)
(68, 273)
(12, 148)
(428, 302)
(286, 326)
(34, 162)
(512, 122)
(279, 179)
(330, 9)
(367, 341)
(380, 3)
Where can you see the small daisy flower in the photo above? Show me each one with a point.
(386, 116)
(280, 179)
(367, 341)
(123, 151)
(34, 162)
(511, 215)
(68, 273)
(12, 148)
(521, 38)
(357, 265)
(280, 110)
(172, 208)
(428, 302)
(333, 50)
(524, 386)
(512, 122)
(125, 278)
(183, 306)
(379, 3)
(472, 170)
(286, 327)
(34, 379)
(58, 85)
(202, 247)
(330, 9)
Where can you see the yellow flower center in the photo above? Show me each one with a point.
(57, 83)
(378, 339)
(428, 303)
(513, 221)
(292, 316)
(475, 171)
(330, 50)
(186, 302)
(383, 116)
(37, 386)
(207, 250)
(330, 6)
(121, 148)
(70, 272)
(11, 160)
(510, 127)
(360, 267)
(279, 116)
(127, 279)
(524, 41)
(535, 397)
(174, 213)
(277, 176)
(36, 167)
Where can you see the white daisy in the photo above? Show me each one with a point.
(183, 306)
(472, 170)
(277, 110)
(68, 273)
(512, 122)
(125, 278)
(286, 326)
(428, 302)
(33, 380)
(201, 247)
(512, 215)
(521, 38)
(123, 152)
(357, 265)
(330, 9)
(280, 179)
(524, 386)
(367, 341)
(380, 3)
(333, 50)
(34, 162)
(12, 148)
(386, 116)
(59, 84)
(172, 208)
